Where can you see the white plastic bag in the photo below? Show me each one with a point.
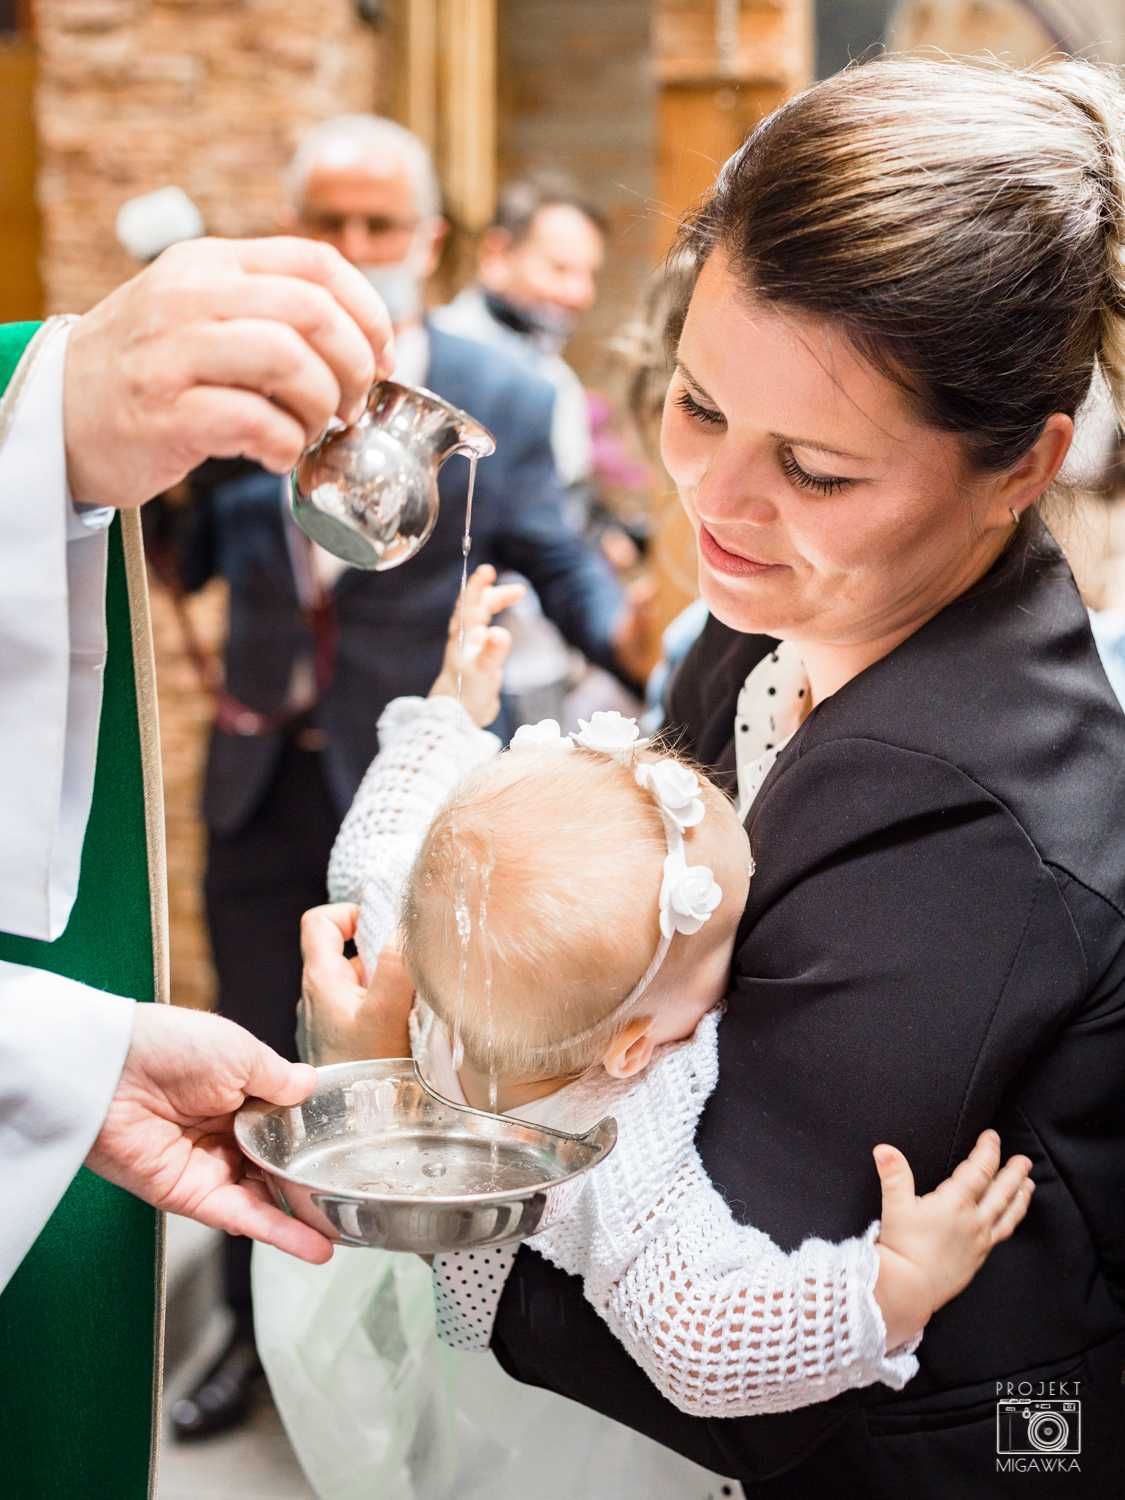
(378, 1408)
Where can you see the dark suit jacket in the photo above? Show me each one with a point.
(934, 943)
(392, 626)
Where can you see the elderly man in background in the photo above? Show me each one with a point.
(315, 649)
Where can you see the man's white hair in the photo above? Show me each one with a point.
(349, 139)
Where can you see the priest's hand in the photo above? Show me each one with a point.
(167, 1137)
(220, 348)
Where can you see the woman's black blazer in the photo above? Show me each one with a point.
(934, 943)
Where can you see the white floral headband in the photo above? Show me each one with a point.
(689, 894)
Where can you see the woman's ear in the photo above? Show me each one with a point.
(631, 1050)
(1022, 484)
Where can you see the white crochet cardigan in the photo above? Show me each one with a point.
(721, 1320)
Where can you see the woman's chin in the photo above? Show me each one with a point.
(740, 610)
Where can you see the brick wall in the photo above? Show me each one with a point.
(208, 94)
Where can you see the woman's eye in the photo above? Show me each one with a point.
(822, 484)
(687, 403)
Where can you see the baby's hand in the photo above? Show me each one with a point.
(486, 646)
(931, 1248)
(345, 1015)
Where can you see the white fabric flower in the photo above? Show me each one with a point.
(610, 732)
(688, 895)
(675, 788)
(547, 732)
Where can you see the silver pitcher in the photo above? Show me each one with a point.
(368, 492)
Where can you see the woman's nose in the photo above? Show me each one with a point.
(726, 494)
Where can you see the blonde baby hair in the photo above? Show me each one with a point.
(552, 863)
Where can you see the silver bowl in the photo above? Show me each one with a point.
(373, 1157)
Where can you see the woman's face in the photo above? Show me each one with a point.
(824, 511)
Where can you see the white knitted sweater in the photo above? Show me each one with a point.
(721, 1320)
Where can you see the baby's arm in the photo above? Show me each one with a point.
(737, 1327)
(426, 746)
(725, 1323)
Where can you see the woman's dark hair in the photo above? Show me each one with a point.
(964, 223)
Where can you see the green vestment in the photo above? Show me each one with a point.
(80, 1322)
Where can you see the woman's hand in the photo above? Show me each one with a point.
(931, 1248)
(345, 1017)
(486, 646)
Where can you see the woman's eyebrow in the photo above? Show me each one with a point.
(691, 380)
(799, 442)
(780, 437)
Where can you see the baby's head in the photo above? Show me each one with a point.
(556, 861)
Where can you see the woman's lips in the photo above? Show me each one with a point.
(723, 561)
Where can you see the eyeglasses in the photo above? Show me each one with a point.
(376, 226)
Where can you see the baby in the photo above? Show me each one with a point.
(568, 912)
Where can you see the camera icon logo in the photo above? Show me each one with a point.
(1038, 1427)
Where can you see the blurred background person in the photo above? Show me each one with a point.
(538, 264)
(316, 649)
(646, 350)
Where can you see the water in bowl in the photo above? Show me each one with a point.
(407, 1166)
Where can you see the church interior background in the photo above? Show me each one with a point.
(639, 100)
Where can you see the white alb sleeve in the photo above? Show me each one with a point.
(723, 1322)
(62, 1048)
(52, 652)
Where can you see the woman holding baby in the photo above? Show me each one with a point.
(905, 281)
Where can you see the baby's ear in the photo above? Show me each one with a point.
(631, 1050)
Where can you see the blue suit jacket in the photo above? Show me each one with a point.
(392, 626)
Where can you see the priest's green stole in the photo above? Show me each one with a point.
(80, 1322)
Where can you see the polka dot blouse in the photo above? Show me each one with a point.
(771, 707)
